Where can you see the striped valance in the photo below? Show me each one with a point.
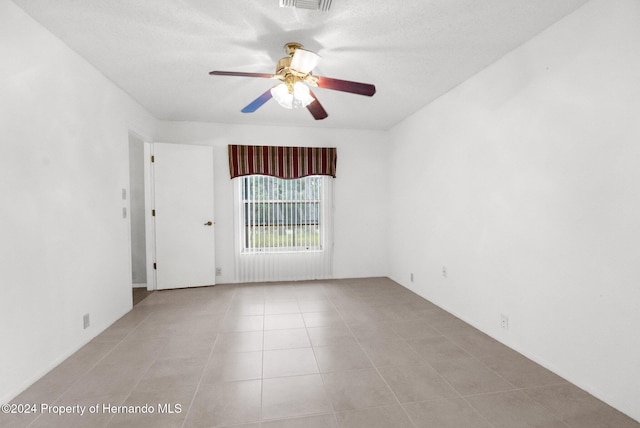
(282, 162)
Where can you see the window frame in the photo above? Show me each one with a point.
(291, 218)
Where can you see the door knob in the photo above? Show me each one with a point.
(208, 223)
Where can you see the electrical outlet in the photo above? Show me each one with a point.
(218, 271)
(124, 212)
(411, 276)
(85, 321)
(504, 321)
(444, 271)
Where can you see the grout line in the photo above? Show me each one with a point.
(378, 371)
(324, 386)
(514, 389)
(466, 396)
(426, 362)
(195, 392)
(460, 395)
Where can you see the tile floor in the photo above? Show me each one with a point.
(344, 353)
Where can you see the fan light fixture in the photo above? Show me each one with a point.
(292, 96)
(294, 70)
(303, 61)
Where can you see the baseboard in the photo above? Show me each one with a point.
(139, 285)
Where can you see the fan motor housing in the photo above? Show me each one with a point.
(290, 48)
(283, 65)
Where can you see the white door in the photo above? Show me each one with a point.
(183, 190)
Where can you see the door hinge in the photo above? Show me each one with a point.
(153, 213)
(153, 158)
(155, 266)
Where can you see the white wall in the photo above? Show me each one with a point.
(525, 183)
(64, 246)
(359, 189)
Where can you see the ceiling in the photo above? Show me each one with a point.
(160, 51)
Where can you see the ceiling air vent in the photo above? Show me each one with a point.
(322, 5)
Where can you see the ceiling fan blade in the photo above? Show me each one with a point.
(258, 102)
(346, 86)
(241, 74)
(315, 108)
(304, 61)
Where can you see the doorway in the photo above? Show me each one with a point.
(171, 212)
(183, 215)
(137, 212)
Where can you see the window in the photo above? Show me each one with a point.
(279, 216)
(283, 209)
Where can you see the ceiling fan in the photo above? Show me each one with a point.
(295, 73)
